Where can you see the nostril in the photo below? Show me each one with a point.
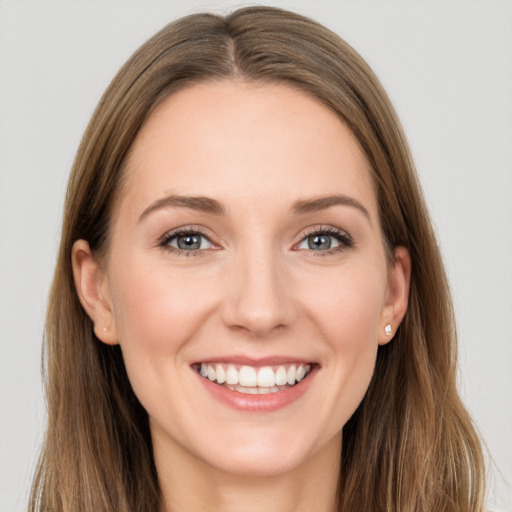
(257, 327)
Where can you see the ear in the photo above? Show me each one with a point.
(399, 279)
(93, 290)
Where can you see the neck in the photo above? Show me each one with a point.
(192, 485)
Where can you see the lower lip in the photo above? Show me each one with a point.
(259, 403)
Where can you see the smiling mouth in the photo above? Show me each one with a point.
(251, 380)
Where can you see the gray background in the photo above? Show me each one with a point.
(447, 66)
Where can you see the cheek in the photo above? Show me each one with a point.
(347, 307)
(348, 314)
(157, 306)
(157, 312)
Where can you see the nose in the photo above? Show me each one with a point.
(258, 295)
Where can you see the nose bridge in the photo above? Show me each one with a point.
(257, 298)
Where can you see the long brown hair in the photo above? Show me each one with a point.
(410, 446)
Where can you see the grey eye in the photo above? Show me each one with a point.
(190, 242)
(319, 242)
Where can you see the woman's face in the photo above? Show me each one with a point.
(246, 245)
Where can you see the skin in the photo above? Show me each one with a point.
(256, 290)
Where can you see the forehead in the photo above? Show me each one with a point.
(247, 143)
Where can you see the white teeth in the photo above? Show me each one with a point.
(211, 373)
(247, 376)
(231, 375)
(281, 377)
(256, 391)
(266, 377)
(221, 374)
(291, 375)
(253, 380)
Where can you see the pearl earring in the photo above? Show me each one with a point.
(387, 330)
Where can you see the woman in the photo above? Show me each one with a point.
(249, 309)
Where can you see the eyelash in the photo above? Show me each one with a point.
(193, 231)
(345, 240)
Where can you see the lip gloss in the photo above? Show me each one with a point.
(258, 403)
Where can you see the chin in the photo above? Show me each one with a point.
(262, 452)
(259, 460)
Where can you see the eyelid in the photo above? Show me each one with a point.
(345, 239)
(163, 241)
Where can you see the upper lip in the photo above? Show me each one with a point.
(255, 361)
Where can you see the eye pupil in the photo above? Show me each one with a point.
(317, 242)
(189, 242)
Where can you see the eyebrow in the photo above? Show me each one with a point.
(212, 206)
(324, 202)
(201, 204)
